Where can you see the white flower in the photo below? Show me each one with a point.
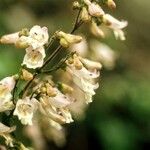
(6, 86)
(95, 10)
(38, 36)
(25, 109)
(56, 107)
(84, 78)
(10, 38)
(104, 54)
(81, 48)
(60, 100)
(115, 25)
(34, 58)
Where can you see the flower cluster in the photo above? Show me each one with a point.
(92, 12)
(33, 40)
(32, 95)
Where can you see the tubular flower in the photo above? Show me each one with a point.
(4, 132)
(25, 109)
(94, 9)
(115, 25)
(36, 37)
(6, 86)
(39, 36)
(55, 107)
(104, 54)
(34, 58)
(83, 77)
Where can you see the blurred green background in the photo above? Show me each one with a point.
(119, 117)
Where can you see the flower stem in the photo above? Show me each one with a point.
(77, 24)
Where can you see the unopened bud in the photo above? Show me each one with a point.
(43, 90)
(85, 15)
(78, 65)
(22, 42)
(24, 32)
(70, 61)
(64, 43)
(65, 88)
(50, 90)
(69, 38)
(96, 30)
(111, 4)
(26, 75)
(76, 5)
(16, 76)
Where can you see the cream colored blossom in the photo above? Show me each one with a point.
(115, 25)
(39, 36)
(10, 38)
(25, 109)
(84, 78)
(6, 86)
(34, 58)
(104, 54)
(81, 48)
(56, 107)
(94, 9)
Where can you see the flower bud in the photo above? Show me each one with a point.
(78, 65)
(96, 30)
(69, 38)
(64, 43)
(70, 61)
(65, 88)
(24, 32)
(76, 5)
(91, 64)
(85, 15)
(111, 4)
(50, 90)
(26, 75)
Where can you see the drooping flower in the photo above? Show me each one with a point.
(35, 38)
(55, 107)
(25, 109)
(94, 9)
(104, 54)
(34, 58)
(6, 86)
(83, 77)
(115, 25)
(81, 48)
(4, 132)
